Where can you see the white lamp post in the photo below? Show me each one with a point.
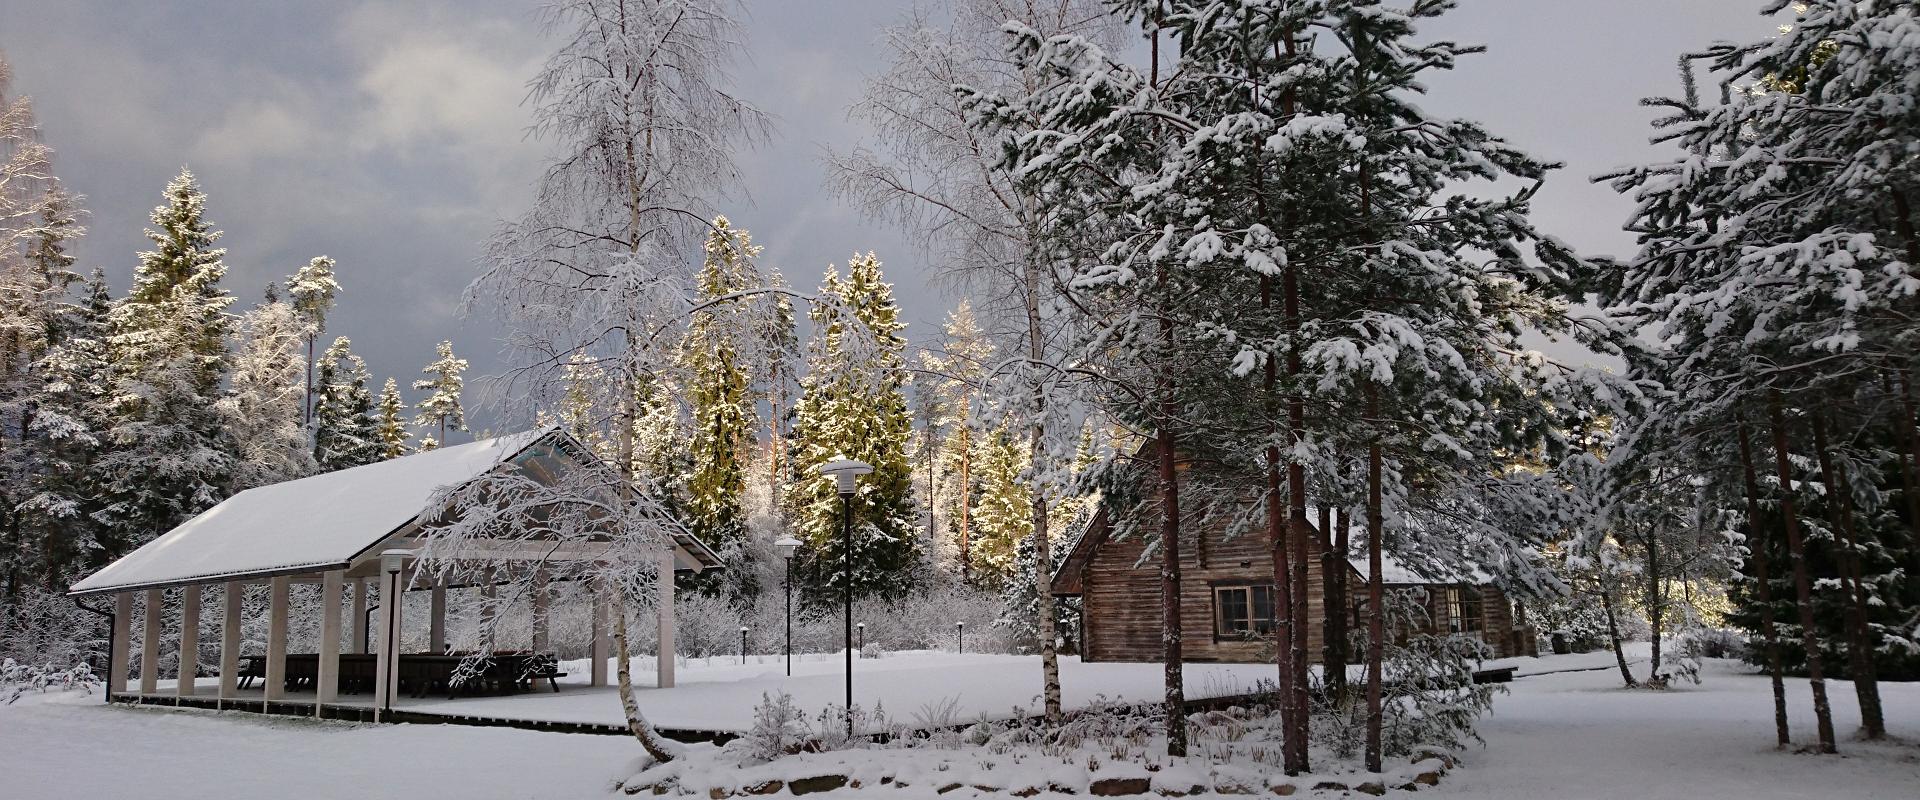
(786, 546)
(844, 471)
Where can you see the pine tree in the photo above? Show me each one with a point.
(954, 389)
(440, 409)
(311, 291)
(169, 456)
(1003, 520)
(390, 426)
(714, 355)
(266, 395)
(346, 432)
(852, 405)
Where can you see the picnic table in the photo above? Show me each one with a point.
(421, 674)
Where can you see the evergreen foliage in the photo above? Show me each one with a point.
(853, 405)
(390, 426)
(346, 430)
(440, 410)
(719, 392)
(265, 399)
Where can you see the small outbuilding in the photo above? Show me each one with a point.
(348, 531)
(1227, 597)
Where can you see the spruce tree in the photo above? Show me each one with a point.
(853, 405)
(68, 435)
(390, 425)
(440, 409)
(346, 432)
(719, 396)
(169, 455)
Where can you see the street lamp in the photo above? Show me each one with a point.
(743, 644)
(786, 546)
(862, 628)
(844, 471)
(960, 629)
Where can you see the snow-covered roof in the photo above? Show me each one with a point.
(1392, 571)
(321, 522)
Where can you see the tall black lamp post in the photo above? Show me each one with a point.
(786, 546)
(844, 471)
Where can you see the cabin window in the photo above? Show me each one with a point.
(1242, 611)
(1464, 613)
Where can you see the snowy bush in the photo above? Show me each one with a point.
(17, 679)
(1703, 642)
(779, 729)
(39, 627)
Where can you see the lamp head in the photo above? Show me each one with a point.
(395, 560)
(843, 471)
(786, 546)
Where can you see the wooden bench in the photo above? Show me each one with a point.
(1497, 675)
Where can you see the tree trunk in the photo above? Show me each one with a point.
(1042, 538)
(1803, 593)
(1176, 698)
(656, 746)
(1613, 633)
(1656, 604)
(1860, 648)
(1765, 591)
(1376, 596)
(1911, 462)
(966, 495)
(1334, 576)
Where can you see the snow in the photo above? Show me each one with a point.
(311, 523)
(1559, 734)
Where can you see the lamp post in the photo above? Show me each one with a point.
(786, 546)
(843, 472)
(862, 628)
(960, 629)
(743, 644)
(386, 684)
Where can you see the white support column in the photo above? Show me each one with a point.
(150, 643)
(358, 627)
(277, 636)
(183, 682)
(230, 642)
(326, 682)
(663, 661)
(542, 611)
(489, 605)
(386, 680)
(437, 618)
(597, 593)
(122, 644)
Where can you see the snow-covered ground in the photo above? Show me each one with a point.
(1560, 734)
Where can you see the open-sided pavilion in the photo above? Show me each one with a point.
(345, 531)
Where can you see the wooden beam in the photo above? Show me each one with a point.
(663, 660)
(236, 592)
(437, 618)
(189, 662)
(150, 643)
(358, 627)
(122, 644)
(542, 610)
(276, 686)
(326, 681)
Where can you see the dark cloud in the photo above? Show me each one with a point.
(392, 136)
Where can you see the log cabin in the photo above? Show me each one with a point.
(1227, 598)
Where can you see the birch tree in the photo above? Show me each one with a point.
(637, 105)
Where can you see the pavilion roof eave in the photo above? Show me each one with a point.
(198, 580)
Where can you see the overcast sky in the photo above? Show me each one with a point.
(391, 135)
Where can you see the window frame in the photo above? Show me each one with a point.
(1250, 604)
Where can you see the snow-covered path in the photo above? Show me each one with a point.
(1564, 735)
